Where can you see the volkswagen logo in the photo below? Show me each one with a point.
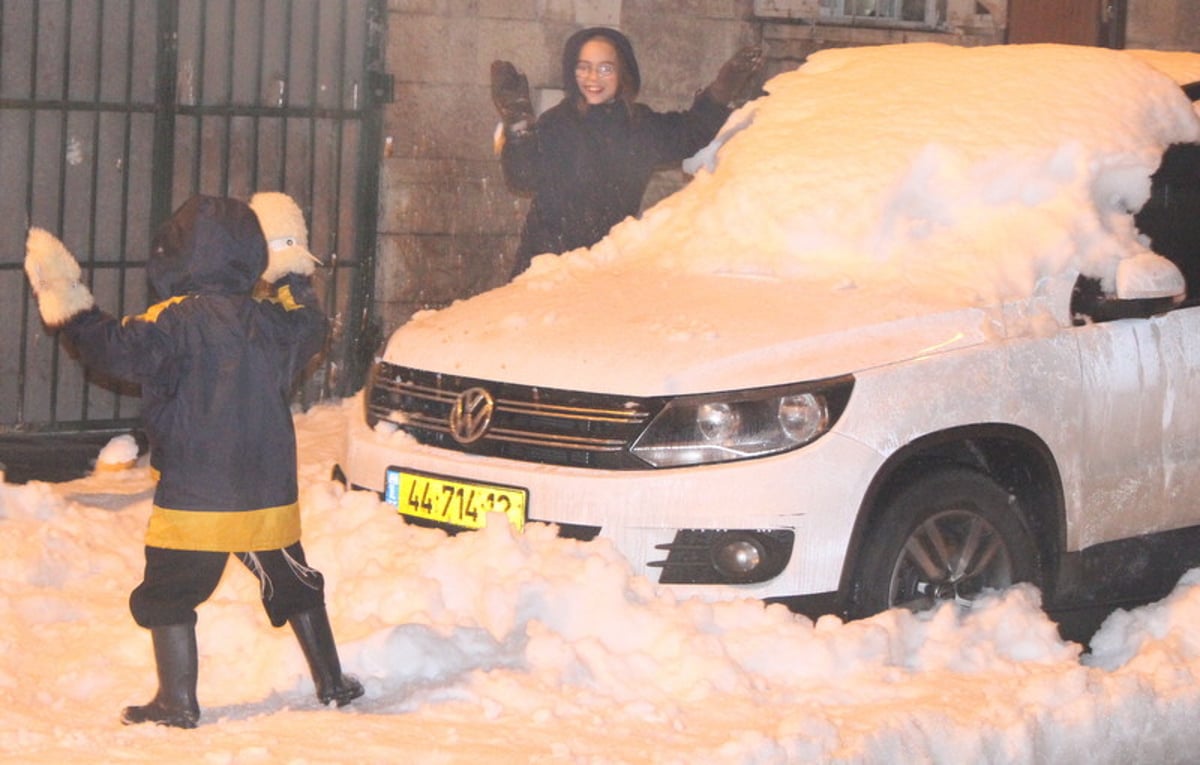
(471, 415)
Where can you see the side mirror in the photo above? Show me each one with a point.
(1149, 276)
(1147, 285)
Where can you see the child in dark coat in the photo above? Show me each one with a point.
(216, 368)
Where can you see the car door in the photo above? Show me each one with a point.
(1171, 221)
(1125, 392)
(1179, 342)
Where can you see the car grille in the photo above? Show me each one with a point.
(531, 424)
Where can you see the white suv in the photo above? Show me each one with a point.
(898, 341)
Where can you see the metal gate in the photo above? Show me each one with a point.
(113, 112)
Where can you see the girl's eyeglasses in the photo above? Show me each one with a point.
(583, 69)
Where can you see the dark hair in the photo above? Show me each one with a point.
(627, 83)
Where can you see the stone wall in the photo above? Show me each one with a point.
(448, 225)
(1163, 24)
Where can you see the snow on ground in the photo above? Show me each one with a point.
(502, 648)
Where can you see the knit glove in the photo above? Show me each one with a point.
(55, 277)
(510, 94)
(737, 75)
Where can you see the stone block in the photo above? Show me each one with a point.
(509, 9)
(678, 53)
(807, 10)
(432, 271)
(432, 49)
(447, 197)
(486, 261)
(436, 7)
(415, 207)
(663, 184)
(1163, 24)
(533, 47)
(698, 9)
(595, 13)
(441, 121)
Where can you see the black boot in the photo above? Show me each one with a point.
(175, 703)
(316, 640)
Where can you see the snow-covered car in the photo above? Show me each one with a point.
(902, 338)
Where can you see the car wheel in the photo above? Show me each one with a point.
(947, 537)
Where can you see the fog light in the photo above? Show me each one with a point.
(737, 557)
(724, 556)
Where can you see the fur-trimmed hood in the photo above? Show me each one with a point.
(209, 244)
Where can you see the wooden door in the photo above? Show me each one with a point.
(1076, 22)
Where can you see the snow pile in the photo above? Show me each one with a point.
(1181, 66)
(513, 648)
(120, 453)
(968, 166)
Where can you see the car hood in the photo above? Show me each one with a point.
(646, 333)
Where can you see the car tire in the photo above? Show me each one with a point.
(950, 535)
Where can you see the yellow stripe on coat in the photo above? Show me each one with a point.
(151, 313)
(270, 528)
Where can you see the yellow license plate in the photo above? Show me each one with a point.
(464, 504)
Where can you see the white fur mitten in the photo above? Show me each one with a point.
(55, 277)
(287, 236)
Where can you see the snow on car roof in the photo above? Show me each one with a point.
(1181, 66)
(982, 168)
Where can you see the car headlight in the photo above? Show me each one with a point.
(736, 425)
